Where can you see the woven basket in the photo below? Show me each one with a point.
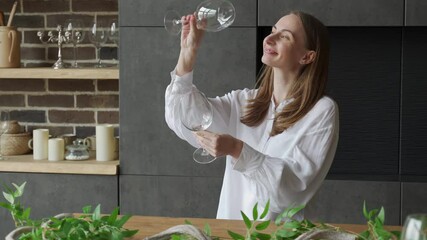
(15, 144)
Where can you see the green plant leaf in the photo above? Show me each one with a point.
(255, 212)
(365, 212)
(119, 223)
(263, 225)
(96, 215)
(248, 222)
(261, 236)
(381, 215)
(129, 233)
(188, 222)
(292, 225)
(266, 208)
(6, 205)
(235, 236)
(113, 216)
(9, 197)
(208, 230)
(286, 234)
(19, 189)
(365, 234)
(87, 209)
(295, 210)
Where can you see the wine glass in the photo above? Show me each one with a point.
(98, 35)
(196, 115)
(114, 34)
(415, 227)
(4, 126)
(75, 35)
(211, 16)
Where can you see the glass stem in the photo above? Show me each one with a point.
(75, 56)
(98, 54)
(204, 152)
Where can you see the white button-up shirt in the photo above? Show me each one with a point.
(286, 169)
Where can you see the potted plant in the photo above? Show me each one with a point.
(89, 225)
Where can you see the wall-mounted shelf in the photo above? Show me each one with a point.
(67, 73)
(26, 163)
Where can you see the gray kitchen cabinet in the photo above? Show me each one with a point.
(336, 12)
(151, 12)
(414, 198)
(51, 194)
(173, 196)
(340, 201)
(416, 13)
(147, 144)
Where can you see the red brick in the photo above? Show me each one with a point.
(51, 101)
(33, 116)
(108, 85)
(36, 6)
(59, 116)
(98, 101)
(71, 85)
(53, 131)
(33, 53)
(55, 19)
(111, 117)
(28, 21)
(32, 85)
(12, 100)
(95, 5)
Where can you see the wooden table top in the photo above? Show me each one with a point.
(149, 226)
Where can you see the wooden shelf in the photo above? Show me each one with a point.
(67, 73)
(26, 163)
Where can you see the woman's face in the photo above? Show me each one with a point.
(284, 47)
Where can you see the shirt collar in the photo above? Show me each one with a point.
(281, 105)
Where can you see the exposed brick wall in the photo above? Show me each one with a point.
(64, 105)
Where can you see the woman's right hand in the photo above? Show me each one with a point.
(191, 38)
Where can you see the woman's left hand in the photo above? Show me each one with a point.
(219, 144)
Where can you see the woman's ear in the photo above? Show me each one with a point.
(308, 57)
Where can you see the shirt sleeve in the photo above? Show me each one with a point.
(181, 85)
(295, 176)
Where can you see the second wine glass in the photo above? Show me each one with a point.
(75, 35)
(98, 35)
(196, 114)
(415, 227)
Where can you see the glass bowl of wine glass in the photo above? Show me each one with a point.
(211, 16)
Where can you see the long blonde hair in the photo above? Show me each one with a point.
(306, 90)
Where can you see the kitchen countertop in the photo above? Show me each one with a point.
(148, 226)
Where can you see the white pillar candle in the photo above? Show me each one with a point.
(56, 149)
(40, 137)
(105, 143)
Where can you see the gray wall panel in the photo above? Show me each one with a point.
(336, 12)
(416, 13)
(414, 102)
(414, 198)
(151, 12)
(364, 79)
(169, 196)
(51, 194)
(148, 146)
(342, 201)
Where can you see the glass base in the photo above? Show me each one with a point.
(203, 157)
(172, 22)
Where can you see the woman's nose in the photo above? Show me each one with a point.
(269, 39)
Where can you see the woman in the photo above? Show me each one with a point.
(279, 139)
